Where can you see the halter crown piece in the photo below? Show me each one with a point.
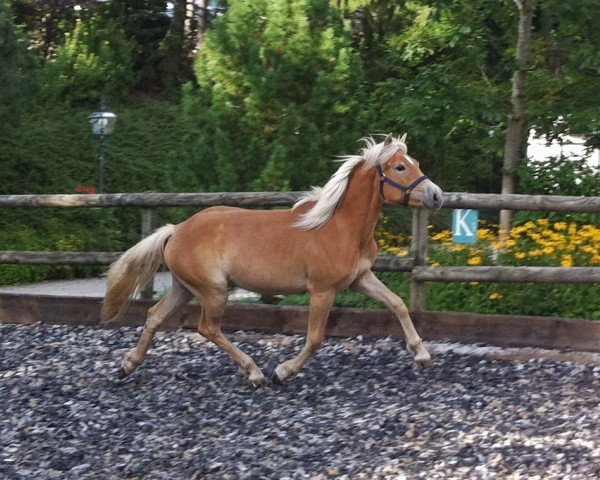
(383, 179)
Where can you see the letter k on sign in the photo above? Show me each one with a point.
(464, 226)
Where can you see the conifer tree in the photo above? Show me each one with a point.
(18, 68)
(280, 93)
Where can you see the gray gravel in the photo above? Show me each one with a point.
(360, 409)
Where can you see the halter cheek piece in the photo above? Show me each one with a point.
(383, 179)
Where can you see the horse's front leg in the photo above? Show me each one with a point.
(320, 305)
(370, 285)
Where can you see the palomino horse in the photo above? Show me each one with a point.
(322, 245)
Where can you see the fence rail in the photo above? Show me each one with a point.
(492, 201)
(415, 263)
(382, 263)
(507, 274)
(58, 258)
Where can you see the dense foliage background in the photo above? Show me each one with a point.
(260, 95)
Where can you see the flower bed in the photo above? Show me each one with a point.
(535, 243)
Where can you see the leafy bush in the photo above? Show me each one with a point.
(18, 70)
(53, 151)
(559, 176)
(145, 23)
(94, 63)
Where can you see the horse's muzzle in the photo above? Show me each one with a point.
(432, 196)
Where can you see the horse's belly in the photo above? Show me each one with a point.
(268, 280)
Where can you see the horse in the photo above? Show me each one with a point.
(322, 245)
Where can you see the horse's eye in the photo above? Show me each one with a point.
(400, 168)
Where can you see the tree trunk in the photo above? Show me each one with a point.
(202, 23)
(172, 48)
(515, 130)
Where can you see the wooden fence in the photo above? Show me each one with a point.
(415, 263)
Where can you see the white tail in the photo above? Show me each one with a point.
(132, 271)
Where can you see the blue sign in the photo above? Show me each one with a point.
(464, 226)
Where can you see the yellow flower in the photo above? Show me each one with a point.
(436, 264)
(496, 296)
(485, 234)
(475, 261)
(520, 255)
(572, 229)
(543, 222)
(401, 252)
(444, 236)
(560, 226)
(567, 261)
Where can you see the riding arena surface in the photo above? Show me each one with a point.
(361, 409)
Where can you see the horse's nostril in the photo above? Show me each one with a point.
(435, 197)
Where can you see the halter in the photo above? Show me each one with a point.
(383, 179)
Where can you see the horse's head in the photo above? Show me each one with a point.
(402, 181)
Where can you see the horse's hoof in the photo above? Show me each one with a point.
(425, 363)
(275, 380)
(122, 373)
(257, 381)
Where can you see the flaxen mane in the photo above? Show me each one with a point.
(328, 197)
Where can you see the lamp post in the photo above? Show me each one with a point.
(103, 123)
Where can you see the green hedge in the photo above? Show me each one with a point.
(51, 150)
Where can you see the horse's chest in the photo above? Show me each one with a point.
(343, 278)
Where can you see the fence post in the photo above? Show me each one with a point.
(419, 246)
(147, 225)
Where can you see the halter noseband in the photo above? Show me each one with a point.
(383, 179)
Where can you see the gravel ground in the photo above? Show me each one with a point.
(360, 409)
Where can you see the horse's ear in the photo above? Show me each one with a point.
(403, 138)
(388, 140)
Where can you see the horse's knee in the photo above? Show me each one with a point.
(152, 325)
(399, 307)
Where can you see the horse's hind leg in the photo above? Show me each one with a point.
(320, 305)
(213, 307)
(175, 298)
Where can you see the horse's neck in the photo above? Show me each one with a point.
(358, 213)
